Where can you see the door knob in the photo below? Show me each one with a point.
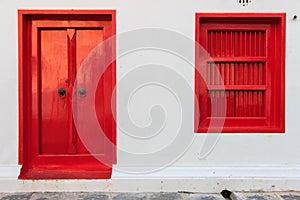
(62, 92)
(82, 92)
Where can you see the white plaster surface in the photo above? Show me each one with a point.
(274, 158)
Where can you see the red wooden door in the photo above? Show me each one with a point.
(65, 49)
(57, 50)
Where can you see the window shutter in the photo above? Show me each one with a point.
(242, 71)
(240, 60)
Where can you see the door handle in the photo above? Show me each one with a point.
(82, 92)
(62, 92)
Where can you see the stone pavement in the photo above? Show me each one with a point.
(145, 196)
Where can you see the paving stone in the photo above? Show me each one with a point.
(290, 197)
(143, 196)
(2, 195)
(65, 195)
(165, 196)
(93, 196)
(130, 196)
(205, 197)
(17, 196)
(48, 195)
(41, 198)
(258, 197)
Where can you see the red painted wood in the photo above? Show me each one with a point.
(83, 47)
(54, 109)
(238, 87)
(51, 52)
(72, 133)
(246, 71)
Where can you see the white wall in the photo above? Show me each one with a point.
(229, 155)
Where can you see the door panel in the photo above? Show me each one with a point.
(54, 108)
(86, 42)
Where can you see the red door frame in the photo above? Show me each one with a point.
(26, 122)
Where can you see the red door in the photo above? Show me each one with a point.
(55, 47)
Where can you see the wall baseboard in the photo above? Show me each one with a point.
(207, 172)
(9, 171)
(172, 179)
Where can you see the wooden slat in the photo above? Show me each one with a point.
(237, 87)
(238, 59)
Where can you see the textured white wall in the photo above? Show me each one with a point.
(178, 17)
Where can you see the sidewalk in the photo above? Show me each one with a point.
(145, 196)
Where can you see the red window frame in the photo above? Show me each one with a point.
(272, 120)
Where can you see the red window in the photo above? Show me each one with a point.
(240, 73)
